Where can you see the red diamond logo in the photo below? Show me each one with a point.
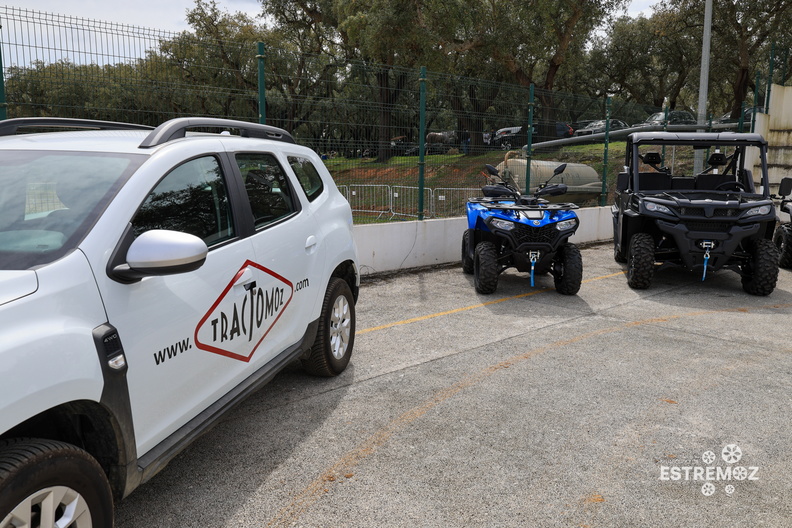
(243, 315)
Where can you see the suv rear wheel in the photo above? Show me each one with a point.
(761, 272)
(332, 349)
(640, 267)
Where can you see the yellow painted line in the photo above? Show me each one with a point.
(345, 466)
(472, 307)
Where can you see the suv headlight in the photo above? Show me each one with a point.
(657, 208)
(761, 210)
(566, 224)
(502, 224)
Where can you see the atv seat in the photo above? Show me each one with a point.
(654, 181)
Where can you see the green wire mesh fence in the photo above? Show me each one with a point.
(362, 118)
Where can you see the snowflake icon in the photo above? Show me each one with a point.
(708, 489)
(708, 457)
(729, 489)
(731, 454)
(739, 473)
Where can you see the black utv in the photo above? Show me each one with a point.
(690, 200)
(783, 233)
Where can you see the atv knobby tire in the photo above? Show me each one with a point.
(782, 238)
(467, 260)
(568, 269)
(640, 263)
(760, 274)
(485, 267)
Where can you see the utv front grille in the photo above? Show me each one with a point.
(699, 211)
(710, 227)
(535, 235)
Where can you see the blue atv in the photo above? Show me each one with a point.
(507, 229)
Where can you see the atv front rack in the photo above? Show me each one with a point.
(509, 203)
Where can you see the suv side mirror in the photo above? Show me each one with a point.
(162, 252)
(785, 189)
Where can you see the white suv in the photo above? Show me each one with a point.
(150, 279)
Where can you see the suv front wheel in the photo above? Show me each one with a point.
(640, 266)
(49, 483)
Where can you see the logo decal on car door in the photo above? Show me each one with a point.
(245, 312)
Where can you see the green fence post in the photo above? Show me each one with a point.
(603, 193)
(3, 103)
(741, 121)
(261, 85)
(421, 142)
(529, 145)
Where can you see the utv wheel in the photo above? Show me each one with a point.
(761, 272)
(618, 256)
(485, 267)
(332, 349)
(640, 268)
(467, 260)
(782, 238)
(49, 483)
(568, 269)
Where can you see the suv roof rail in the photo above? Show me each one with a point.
(9, 127)
(177, 128)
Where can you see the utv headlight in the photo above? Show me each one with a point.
(502, 224)
(657, 208)
(762, 210)
(566, 224)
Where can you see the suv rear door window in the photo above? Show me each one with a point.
(267, 186)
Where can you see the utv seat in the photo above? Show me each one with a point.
(683, 183)
(709, 182)
(654, 181)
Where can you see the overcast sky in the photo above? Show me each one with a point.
(170, 14)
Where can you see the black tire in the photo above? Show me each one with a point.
(34, 472)
(335, 337)
(485, 268)
(618, 256)
(782, 238)
(761, 273)
(568, 269)
(640, 262)
(467, 260)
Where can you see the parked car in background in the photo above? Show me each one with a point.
(675, 117)
(597, 127)
(747, 117)
(515, 137)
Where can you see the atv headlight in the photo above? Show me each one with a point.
(762, 210)
(566, 224)
(657, 208)
(502, 224)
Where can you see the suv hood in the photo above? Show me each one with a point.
(16, 284)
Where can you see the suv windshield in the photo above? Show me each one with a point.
(48, 201)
